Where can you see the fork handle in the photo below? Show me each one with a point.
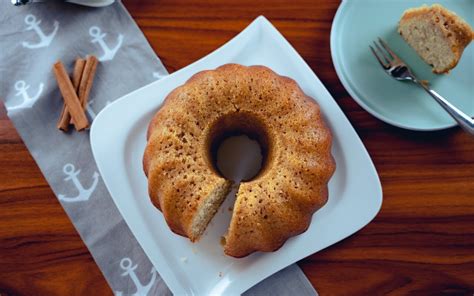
(464, 121)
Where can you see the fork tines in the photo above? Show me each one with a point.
(383, 53)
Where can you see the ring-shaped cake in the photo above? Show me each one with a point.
(179, 160)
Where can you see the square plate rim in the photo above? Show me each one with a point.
(168, 276)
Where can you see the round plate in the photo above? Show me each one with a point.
(402, 104)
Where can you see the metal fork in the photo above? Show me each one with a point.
(396, 68)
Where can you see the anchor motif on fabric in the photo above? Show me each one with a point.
(90, 111)
(21, 90)
(33, 24)
(126, 264)
(84, 194)
(158, 75)
(98, 37)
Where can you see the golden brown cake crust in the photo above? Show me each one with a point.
(280, 201)
(457, 31)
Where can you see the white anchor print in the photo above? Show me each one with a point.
(33, 24)
(158, 75)
(90, 111)
(84, 194)
(21, 90)
(126, 264)
(98, 37)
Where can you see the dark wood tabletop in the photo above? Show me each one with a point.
(421, 242)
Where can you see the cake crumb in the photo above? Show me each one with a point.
(426, 83)
(184, 259)
(230, 209)
(222, 241)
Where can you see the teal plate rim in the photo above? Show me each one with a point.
(353, 92)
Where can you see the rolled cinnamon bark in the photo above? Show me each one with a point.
(87, 80)
(70, 97)
(65, 118)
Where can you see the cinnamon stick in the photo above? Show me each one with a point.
(87, 80)
(78, 73)
(70, 97)
(65, 118)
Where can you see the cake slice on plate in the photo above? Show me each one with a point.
(438, 35)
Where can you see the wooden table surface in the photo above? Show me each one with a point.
(421, 242)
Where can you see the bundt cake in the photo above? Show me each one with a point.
(438, 35)
(183, 137)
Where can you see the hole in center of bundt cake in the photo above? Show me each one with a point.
(238, 146)
(239, 158)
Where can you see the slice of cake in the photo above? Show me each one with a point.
(438, 35)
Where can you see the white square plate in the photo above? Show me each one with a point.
(118, 142)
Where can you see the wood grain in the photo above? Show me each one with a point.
(421, 242)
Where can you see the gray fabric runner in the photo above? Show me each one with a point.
(32, 38)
